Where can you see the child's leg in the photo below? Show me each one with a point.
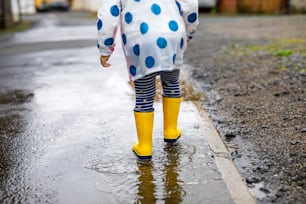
(145, 90)
(171, 83)
(171, 104)
(144, 116)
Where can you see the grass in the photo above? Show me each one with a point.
(16, 27)
(280, 48)
(303, 71)
(273, 49)
(283, 49)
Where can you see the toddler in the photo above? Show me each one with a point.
(154, 37)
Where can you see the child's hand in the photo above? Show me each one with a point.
(104, 61)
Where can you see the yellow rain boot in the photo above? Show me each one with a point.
(171, 108)
(144, 126)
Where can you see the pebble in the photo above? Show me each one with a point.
(283, 93)
(295, 178)
(285, 117)
(294, 142)
(283, 188)
(252, 179)
(229, 135)
(300, 183)
(265, 190)
(279, 194)
(263, 168)
(250, 185)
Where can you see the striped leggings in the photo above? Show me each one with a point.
(145, 89)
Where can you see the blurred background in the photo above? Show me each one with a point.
(12, 10)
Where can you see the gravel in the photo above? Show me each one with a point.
(252, 71)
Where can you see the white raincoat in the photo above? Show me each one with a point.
(154, 32)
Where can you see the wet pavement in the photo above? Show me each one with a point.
(67, 128)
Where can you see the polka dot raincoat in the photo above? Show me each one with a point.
(154, 32)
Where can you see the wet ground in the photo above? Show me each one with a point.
(252, 70)
(67, 127)
(57, 143)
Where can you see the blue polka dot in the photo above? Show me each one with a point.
(144, 27)
(133, 70)
(150, 62)
(182, 43)
(114, 10)
(155, 8)
(174, 58)
(136, 50)
(137, 0)
(128, 17)
(173, 26)
(124, 38)
(161, 42)
(192, 17)
(98, 46)
(99, 24)
(109, 41)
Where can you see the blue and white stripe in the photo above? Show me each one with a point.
(145, 89)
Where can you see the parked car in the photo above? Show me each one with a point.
(46, 5)
(207, 5)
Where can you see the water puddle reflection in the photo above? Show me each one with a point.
(158, 180)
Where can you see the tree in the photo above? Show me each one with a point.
(3, 14)
(19, 11)
(6, 14)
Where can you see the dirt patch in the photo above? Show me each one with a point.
(253, 75)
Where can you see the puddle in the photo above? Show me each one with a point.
(75, 145)
(167, 178)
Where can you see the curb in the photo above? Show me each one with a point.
(231, 176)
